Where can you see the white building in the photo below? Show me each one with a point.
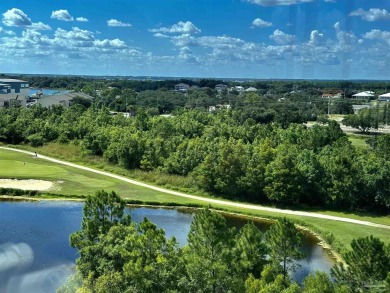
(183, 87)
(364, 95)
(384, 98)
(251, 89)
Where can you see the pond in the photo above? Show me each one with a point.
(47, 92)
(47, 258)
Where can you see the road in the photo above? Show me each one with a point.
(203, 199)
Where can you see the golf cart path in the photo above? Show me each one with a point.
(203, 199)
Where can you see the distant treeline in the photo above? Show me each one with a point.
(274, 86)
(223, 153)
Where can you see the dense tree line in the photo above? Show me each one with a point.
(282, 164)
(118, 255)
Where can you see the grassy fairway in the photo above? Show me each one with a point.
(72, 181)
(80, 182)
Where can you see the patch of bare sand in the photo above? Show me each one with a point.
(29, 184)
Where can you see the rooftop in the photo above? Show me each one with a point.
(8, 80)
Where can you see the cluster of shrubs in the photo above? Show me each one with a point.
(17, 192)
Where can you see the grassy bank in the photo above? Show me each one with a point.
(71, 181)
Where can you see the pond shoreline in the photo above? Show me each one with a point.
(321, 241)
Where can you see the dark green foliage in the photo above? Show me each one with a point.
(232, 153)
(283, 241)
(209, 254)
(17, 192)
(101, 211)
(367, 264)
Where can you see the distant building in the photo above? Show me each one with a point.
(220, 87)
(364, 95)
(357, 108)
(183, 87)
(13, 92)
(64, 100)
(250, 89)
(238, 89)
(332, 94)
(384, 98)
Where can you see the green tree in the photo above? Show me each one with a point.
(284, 241)
(101, 211)
(367, 264)
(363, 121)
(284, 182)
(250, 251)
(209, 254)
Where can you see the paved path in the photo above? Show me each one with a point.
(208, 200)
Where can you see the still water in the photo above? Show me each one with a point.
(46, 225)
(47, 92)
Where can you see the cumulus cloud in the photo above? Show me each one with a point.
(16, 17)
(378, 35)
(346, 40)
(81, 19)
(181, 27)
(374, 14)
(277, 2)
(6, 32)
(282, 38)
(258, 22)
(315, 37)
(117, 23)
(61, 14)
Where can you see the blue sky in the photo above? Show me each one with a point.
(303, 39)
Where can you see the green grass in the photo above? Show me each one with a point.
(359, 141)
(80, 183)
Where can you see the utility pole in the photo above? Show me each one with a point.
(328, 106)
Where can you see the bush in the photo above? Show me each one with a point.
(36, 140)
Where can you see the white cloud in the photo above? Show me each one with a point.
(346, 40)
(181, 27)
(61, 14)
(6, 32)
(117, 23)
(16, 17)
(374, 14)
(74, 34)
(315, 37)
(258, 22)
(81, 19)
(39, 26)
(116, 43)
(282, 38)
(160, 35)
(378, 35)
(277, 2)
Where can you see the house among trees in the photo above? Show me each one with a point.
(357, 108)
(65, 100)
(364, 95)
(250, 89)
(182, 87)
(384, 98)
(13, 92)
(332, 94)
(220, 87)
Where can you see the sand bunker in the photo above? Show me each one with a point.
(29, 184)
